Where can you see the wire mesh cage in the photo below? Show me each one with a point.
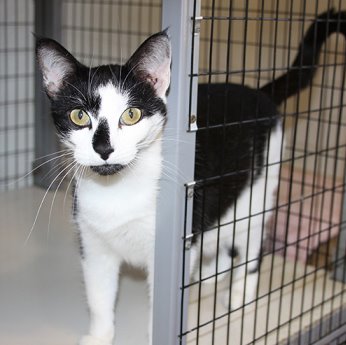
(251, 44)
(17, 97)
(280, 278)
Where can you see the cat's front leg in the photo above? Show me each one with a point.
(150, 281)
(101, 272)
(244, 281)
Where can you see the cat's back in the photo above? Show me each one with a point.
(221, 103)
(235, 124)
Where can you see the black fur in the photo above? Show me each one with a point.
(101, 140)
(224, 154)
(74, 213)
(235, 121)
(107, 169)
(233, 252)
(305, 64)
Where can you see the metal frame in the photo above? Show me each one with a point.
(171, 221)
(47, 23)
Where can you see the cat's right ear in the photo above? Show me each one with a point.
(151, 62)
(56, 65)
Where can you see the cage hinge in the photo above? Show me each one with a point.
(188, 241)
(196, 25)
(190, 188)
(193, 123)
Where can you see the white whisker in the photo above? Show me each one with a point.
(51, 154)
(54, 196)
(41, 204)
(33, 170)
(80, 167)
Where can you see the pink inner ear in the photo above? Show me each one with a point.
(55, 68)
(53, 81)
(160, 78)
(152, 80)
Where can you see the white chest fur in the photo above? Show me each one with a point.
(120, 210)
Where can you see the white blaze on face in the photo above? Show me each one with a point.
(125, 140)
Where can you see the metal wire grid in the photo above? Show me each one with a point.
(104, 31)
(108, 31)
(322, 119)
(16, 92)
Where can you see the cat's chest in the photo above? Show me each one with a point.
(114, 204)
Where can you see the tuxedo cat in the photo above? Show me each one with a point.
(238, 152)
(111, 119)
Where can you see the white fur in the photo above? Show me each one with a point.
(116, 214)
(246, 233)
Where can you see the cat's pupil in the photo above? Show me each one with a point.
(131, 113)
(80, 114)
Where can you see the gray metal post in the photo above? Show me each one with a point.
(47, 23)
(179, 155)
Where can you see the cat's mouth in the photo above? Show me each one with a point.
(107, 169)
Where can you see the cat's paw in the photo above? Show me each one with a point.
(90, 340)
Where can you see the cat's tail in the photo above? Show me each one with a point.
(300, 74)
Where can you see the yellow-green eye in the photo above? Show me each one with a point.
(80, 118)
(130, 116)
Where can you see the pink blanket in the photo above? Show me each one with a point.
(312, 216)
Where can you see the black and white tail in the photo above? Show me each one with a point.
(300, 74)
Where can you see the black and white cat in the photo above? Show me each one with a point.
(238, 155)
(112, 118)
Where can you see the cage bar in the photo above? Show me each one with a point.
(178, 156)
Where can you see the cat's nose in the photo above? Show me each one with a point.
(101, 140)
(103, 151)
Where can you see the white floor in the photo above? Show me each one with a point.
(41, 291)
(42, 296)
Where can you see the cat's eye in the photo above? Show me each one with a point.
(80, 118)
(131, 116)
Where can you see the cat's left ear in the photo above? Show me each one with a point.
(56, 64)
(151, 62)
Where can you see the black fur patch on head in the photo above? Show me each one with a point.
(142, 95)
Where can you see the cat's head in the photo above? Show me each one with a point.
(107, 114)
